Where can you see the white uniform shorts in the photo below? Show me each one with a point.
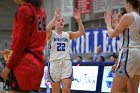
(128, 62)
(59, 70)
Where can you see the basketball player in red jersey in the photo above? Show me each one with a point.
(26, 63)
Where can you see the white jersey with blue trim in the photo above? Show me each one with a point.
(134, 31)
(130, 38)
(129, 54)
(59, 48)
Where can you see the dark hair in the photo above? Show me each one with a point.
(80, 57)
(36, 3)
(102, 58)
(123, 11)
(139, 7)
(134, 3)
(114, 55)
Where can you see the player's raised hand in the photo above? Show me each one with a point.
(107, 18)
(57, 13)
(76, 14)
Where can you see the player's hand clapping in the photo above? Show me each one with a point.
(107, 17)
(76, 15)
(57, 14)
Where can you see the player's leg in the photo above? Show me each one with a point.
(55, 87)
(54, 76)
(20, 92)
(125, 90)
(66, 85)
(119, 84)
(67, 75)
(133, 84)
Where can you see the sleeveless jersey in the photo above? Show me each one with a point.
(59, 46)
(129, 54)
(130, 38)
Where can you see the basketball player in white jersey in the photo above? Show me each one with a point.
(116, 18)
(60, 66)
(128, 68)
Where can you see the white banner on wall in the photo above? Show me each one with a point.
(103, 5)
(67, 7)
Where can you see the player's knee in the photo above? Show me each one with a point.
(55, 91)
(65, 90)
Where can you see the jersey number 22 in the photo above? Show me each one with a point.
(60, 46)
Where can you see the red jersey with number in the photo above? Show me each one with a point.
(28, 43)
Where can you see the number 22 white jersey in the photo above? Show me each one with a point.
(59, 46)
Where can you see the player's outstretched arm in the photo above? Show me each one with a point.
(52, 22)
(124, 22)
(81, 31)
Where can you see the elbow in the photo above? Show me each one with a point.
(83, 32)
(111, 36)
(112, 33)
